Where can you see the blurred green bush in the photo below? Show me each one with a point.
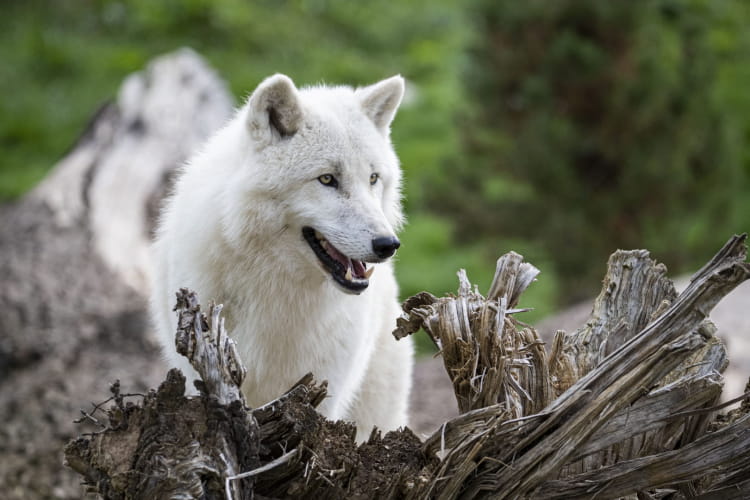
(62, 60)
(601, 125)
(561, 130)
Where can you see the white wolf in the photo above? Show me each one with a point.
(283, 217)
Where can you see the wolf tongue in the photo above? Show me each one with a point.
(353, 268)
(339, 257)
(359, 270)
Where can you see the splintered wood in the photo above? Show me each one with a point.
(489, 358)
(622, 407)
(204, 341)
(633, 383)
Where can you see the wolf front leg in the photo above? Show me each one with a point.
(383, 398)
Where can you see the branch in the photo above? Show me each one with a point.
(204, 341)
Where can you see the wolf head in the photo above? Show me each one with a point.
(319, 177)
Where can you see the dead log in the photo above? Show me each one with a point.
(534, 426)
(73, 267)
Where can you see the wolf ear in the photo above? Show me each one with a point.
(380, 101)
(274, 108)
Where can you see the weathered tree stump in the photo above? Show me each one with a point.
(212, 446)
(619, 408)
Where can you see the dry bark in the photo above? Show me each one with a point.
(619, 408)
(212, 446)
(484, 354)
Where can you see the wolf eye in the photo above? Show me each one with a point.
(374, 178)
(328, 180)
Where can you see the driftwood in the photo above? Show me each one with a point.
(73, 267)
(622, 407)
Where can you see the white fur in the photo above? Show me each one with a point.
(232, 231)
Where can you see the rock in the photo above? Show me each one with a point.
(73, 277)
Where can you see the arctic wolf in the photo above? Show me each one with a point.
(288, 216)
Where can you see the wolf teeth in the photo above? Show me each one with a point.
(318, 235)
(348, 275)
(369, 272)
(324, 244)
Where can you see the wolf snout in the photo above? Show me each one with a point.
(385, 246)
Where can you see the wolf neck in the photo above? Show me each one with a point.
(290, 315)
(290, 290)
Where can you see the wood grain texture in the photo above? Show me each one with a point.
(621, 408)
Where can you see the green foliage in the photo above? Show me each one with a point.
(597, 125)
(62, 60)
(570, 128)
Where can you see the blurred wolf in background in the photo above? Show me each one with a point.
(288, 216)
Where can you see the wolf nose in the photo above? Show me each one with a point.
(385, 246)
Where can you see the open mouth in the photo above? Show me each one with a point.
(350, 274)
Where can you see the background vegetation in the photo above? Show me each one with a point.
(602, 125)
(561, 130)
